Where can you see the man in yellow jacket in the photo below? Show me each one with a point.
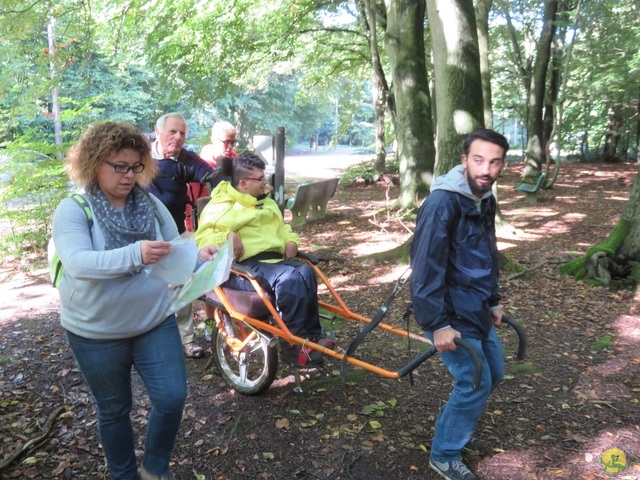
(243, 210)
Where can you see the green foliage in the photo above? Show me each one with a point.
(377, 409)
(32, 183)
(365, 171)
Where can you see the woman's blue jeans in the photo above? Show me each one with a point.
(459, 416)
(106, 365)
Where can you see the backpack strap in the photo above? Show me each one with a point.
(80, 200)
(55, 264)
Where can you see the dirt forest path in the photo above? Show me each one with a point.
(570, 410)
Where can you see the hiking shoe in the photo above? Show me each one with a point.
(301, 356)
(191, 350)
(474, 446)
(144, 475)
(452, 470)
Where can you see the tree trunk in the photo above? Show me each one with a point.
(379, 109)
(612, 136)
(458, 83)
(551, 99)
(380, 89)
(483, 7)
(638, 131)
(404, 45)
(535, 145)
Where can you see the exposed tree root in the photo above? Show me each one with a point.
(34, 441)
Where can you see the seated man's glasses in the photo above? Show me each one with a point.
(231, 143)
(124, 169)
(260, 179)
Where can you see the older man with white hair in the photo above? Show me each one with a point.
(178, 167)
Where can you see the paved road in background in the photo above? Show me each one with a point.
(307, 166)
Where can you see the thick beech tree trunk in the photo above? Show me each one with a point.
(458, 82)
(380, 89)
(535, 155)
(483, 7)
(404, 45)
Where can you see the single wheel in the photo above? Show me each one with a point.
(246, 358)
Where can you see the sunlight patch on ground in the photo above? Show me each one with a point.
(529, 213)
(568, 200)
(520, 219)
(557, 227)
(506, 246)
(19, 302)
(389, 276)
(339, 282)
(364, 249)
(628, 327)
(618, 199)
(512, 464)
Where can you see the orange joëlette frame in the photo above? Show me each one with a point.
(340, 308)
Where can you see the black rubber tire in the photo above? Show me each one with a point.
(254, 368)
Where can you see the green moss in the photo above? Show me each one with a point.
(610, 245)
(573, 268)
(510, 265)
(635, 271)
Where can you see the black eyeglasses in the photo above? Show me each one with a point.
(231, 143)
(124, 169)
(261, 179)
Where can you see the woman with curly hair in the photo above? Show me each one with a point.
(115, 314)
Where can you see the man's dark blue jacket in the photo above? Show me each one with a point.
(170, 186)
(454, 259)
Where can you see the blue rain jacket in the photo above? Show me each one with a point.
(454, 259)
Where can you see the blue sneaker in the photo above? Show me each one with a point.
(452, 470)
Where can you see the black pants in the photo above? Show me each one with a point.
(295, 286)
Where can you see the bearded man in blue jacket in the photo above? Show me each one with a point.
(454, 288)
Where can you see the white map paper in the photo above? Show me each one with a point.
(206, 278)
(178, 265)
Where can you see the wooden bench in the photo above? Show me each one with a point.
(531, 189)
(314, 196)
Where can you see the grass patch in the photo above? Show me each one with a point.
(603, 343)
(523, 368)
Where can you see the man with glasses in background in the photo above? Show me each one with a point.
(223, 142)
(223, 138)
(177, 168)
(243, 211)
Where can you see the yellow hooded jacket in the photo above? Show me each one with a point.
(258, 222)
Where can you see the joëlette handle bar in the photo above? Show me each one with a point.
(477, 364)
(522, 337)
(431, 351)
